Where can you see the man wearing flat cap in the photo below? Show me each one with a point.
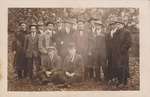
(59, 36)
(73, 65)
(52, 69)
(99, 51)
(89, 68)
(20, 61)
(82, 40)
(64, 37)
(31, 49)
(121, 40)
(45, 41)
(41, 28)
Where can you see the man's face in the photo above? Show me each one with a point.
(23, 26)
(99, 28)
(74, 26)
(68, 27)
(81, 25)
(33, 29)
(50, 26)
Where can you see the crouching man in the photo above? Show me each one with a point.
(73, 66)
(51, 71)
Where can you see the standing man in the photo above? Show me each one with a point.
(41, 32)
(45, 41)
(82, 41)
(121, 40)
(109, 44)
(100, 51)
(125, 44)
(64, 36)
(59, 36)
(89, 67)
(18, 49)
(68, 36)
(31, 49)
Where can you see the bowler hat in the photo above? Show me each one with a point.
(98, 23)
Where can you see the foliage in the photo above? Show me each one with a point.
(30, 15)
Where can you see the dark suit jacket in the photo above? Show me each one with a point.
(54, 64)
(31, 46)
(17, 45)
(121, 43)
(81, 42)
(75, 66)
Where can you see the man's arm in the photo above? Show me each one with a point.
(26, 42)
(126, 42)
(40, 45)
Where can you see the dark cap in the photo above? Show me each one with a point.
(117, 20)
(21, 22)
(92, 19)
(98, 23)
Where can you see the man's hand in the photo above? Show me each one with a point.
(48, 73)
(70, 74)
(61, 42)
(14, 52)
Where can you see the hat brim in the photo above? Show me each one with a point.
(51, 48)
(116, 22)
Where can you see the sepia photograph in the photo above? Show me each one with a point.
(73, 49)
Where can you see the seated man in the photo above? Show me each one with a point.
(51, 71)
(73, 65)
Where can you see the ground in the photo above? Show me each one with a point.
(23, 85)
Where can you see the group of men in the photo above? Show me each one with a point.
(68, 51)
